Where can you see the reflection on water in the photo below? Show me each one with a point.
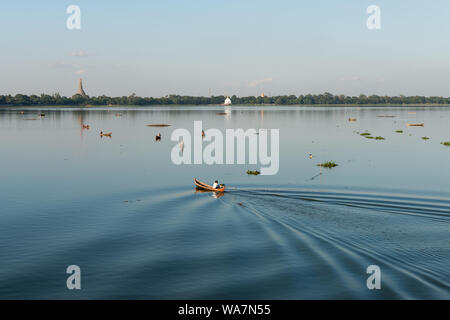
(215, 195)
(136, 226)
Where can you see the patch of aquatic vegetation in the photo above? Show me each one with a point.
(328, 164)
(365, 134)
(425, 138)
(255, 172)
(447, 143)
(399, 131)
(369, 136)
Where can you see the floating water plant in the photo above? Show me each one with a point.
(255, 172)
(447, 144)
(365, 134)
(376, 138)
(399, 131)
(425, 138)
(328, 164)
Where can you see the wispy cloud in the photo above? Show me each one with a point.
(79, 53)
(256, 83)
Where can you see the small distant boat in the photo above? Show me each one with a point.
(158, 125)
(351, 119)
(86, 126)
(205, 186)
(415, 124)
(104, 134)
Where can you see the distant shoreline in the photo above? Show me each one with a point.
(326, 99)
(230, 106)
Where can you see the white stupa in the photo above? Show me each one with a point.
(227, 101)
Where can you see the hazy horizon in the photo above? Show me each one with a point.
(230, 48)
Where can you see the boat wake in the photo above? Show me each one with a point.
(430, 207)
(344, 232)
(175, 243)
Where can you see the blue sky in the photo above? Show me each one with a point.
(244, 47)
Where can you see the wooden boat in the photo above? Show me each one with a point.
(415, 124)
(205, 186)
(86, 126)
(158, 125)
(103, 134)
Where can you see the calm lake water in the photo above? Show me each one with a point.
(131, 219)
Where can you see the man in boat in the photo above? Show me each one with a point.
(216, 185)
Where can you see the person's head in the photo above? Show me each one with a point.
(216, 181)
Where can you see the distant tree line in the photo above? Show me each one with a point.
(309, 99)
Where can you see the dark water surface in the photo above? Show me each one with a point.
(131, 219)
